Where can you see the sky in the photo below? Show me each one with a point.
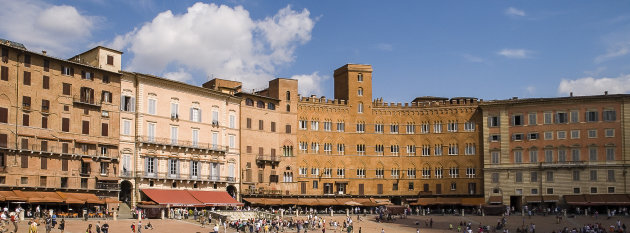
(484, 49)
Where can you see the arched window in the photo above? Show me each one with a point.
(260, 104)
(288, 107)
(360, 91)
(249, 102)
(288, 95)
(271, 106)
(360, 108)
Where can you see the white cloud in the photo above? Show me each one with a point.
(617, 50)
(531, 90)
(515, 53)
(511, 11)
(472, 58)
(595, 86)
(42, 26)
(385, 47)
(310, 83)
(219, 40)
(179, 75)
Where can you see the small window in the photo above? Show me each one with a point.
(517, 137)
(493, 121)
(46, 82)
(260, 104)
(27, 78)
(517, 120)
(4, 74)
(249, 102)
(610, 115)
(66, 88)
(591, 116)
(360, 91)
(271, 106)
(562, 118)
(360, 77)
(495, 138)
(46, 65)
(27, 60)
(105, 79)
(110, 60)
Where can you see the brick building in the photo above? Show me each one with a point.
(540, 151)
(59, 121)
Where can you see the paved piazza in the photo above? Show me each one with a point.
(441, 223)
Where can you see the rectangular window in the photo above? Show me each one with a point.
(562, 155)
(592, 154)
(273, 126)
(27, 78)
(532, 136)
(609, 133)
(5, 54)
(248, 123)
(233, 121)
(548, 135)
(66, 88)
(575, 134)
(174, 135)
(4, 115)
(27, 60)
(493, 121)
(152, 106)
(495, 138)
(104, 129)
(65, 70)
(314, 125)
(611, 176)
(576, 175)
(26, 120)
(518, 156)
(411, 128)
(341, 149)
(451, 127)
(494, 177)
(215, 117)
(4, 73)
(46, 82)
(110, 60)
(593, 175)
(195, 115)
(126, 127)
(610, 154)
(591, 116)
(592, 133)
(547, 117)
(65, 124)
(44, 122)
(533, 156)
(26, 102)
(549, 176)
(175, 110)
(494, 157)
(609, 115)
(151, 131)
(195, 137)
(424, 128)
(261, 125)
(411, 150)
(85, 129)
(531, 117)
(519, 177)
(562, 134)
(548, 155)
(517, 120)
(360, 127)
(562, 118)
(517, 137)
(575, 116)
(533, 176)
(575, 155)
(437, 127)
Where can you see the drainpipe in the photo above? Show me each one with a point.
(17, 103)
(136, 192)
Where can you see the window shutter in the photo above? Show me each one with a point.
(146, 166)
(3, 140)
(200, 120)
(46, 82)
(155, 165)
(86, 127)
(191, 169)
(91, 96)
(105, 129)
(4, 115)
(83, 74)
(122, 101)
(65, 124)
(133, 104)
(191, 114)
(218, 170)
(177, 168)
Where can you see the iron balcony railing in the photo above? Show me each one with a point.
(81, 99)
(182, 143)
(266, 158)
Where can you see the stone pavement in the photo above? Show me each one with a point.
(368, 225)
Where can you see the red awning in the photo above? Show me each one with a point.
(172, 197)
(214, 198)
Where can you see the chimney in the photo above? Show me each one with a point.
(605, 92)
(44, 52)
(571, 94)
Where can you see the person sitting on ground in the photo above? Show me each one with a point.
(148, 226)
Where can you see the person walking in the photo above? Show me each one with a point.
(133, 227)
(89, 229)
(105, 228)
(62, 225)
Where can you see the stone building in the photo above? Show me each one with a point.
(357, 147)
(267, 130)
(176, 136)
(540, 151)
(59, 121)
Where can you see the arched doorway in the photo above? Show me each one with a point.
(232, 191)
(125, 192)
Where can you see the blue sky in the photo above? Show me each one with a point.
(485, 49)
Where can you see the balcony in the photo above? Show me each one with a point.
(108, 186)
(86, 100)
(182, 143)
(268, 159)
(53, 147)
(125, 173)
(85, 172)
(565, 164)
(262, 191)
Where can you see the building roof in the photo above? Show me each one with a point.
(516, 100)
(21, 46)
